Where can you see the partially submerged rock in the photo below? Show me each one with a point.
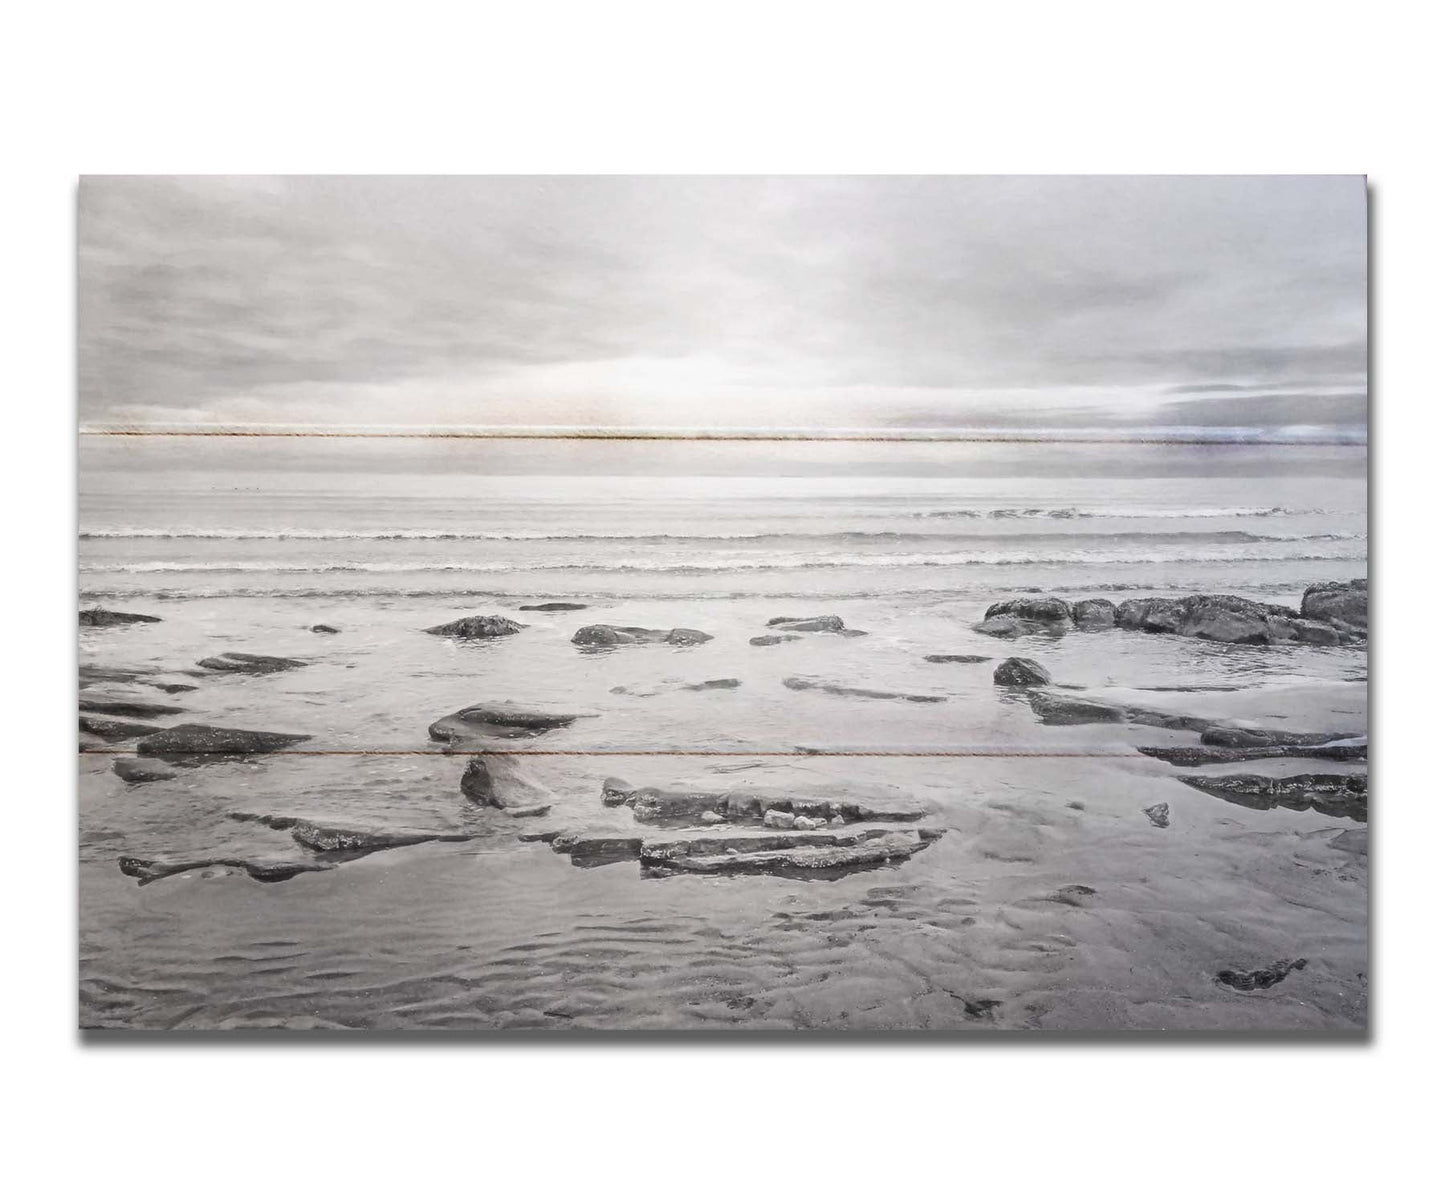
(261, 869)
(716, 683)
(788, 854)
(1020, 671)
(142, 769)
(1230, 735)
(589, 851)
(503, 783)
(605, 635)
(1056, 710)
(1342, 602)
(1158, 814)
(477, 627)
(249, 662)
(956, 658)
(767, 641)
(827, 687)
(202, 740)
(1341, 796)
(1260, 980)
(503, 721)
(98, 616)
(132, 710)
(1193, 754)
(830, 623)
(325, 629)
(651, 804)
(323, 836)
(554, 606)
(1033, 610)
(115, 730)
(1094, 612)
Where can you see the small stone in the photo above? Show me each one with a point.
(710, 817)
(778, 819)
(1158, 814)
(807, 823)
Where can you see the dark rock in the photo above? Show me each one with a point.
(1006, 627)
(598, 850)
(132, 710)
(1150, 614)
(816, 623)
(142, 769)
(1158, 814)
(321, 836)
(766, 641)
(113, 730)
(263, 870)
(1260, 980)
(1073, 895)
(1033, 610)
(325, 629)
(716, 683)
(477, 627)
(555, 606)
(980, 1009)
(1224, 735)
(1094, 612)
(651, 804)
(788, 854)
(202, 740)
(1228, 619)
(1020, 671)
(173, 687)
(501, 782)
(811, 683)
(97, 616)
(498, 721)
(1307, 631)
(605, 635)
(956, 658)
(1191, 754)
(247, 662)
(1056, 710)
(1340, 796)
(1346, 602)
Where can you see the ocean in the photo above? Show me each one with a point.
(984, 928)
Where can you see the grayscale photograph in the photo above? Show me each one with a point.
(723, 603)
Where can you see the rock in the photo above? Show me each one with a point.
(1356, 750)
(956, 658)
(816, 623)
(113, 730)
(711, 817)
(503, 782)
(97, 616)
(1340, 796)
(1225, 735)
(503, 721)
(1260, 980)
(202, 740)
(1352, 840)
(1033, 610)
(778, 819)
(1346, 602)
(1228, 619)
(766, 641)
(1056, 710)
(1158, 814)
(142, 769)
(554, 606)
(598, 850)
(1150, 614)
(133, 710)
(321, 836)
(1307, 631)
(717, 683)
(812, 683)
(1005, 627)
(1093, 613)
(652, 804)
(805, 823)
(325, 629)
(173, 687)
(477, 627)
(261, 869)
(789, 854)
(246, 662)
(604, 635)
(1022, 672)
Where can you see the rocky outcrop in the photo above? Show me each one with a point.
(1020, 672)
(1260, 980)
(142, 769)
(477, 627)
(323, 836)
(1033, 610)
(1161, 615)
(114, 730)
(956, 658)
(1093, 613)
(261, 869)
(605, 635)
(498, 721)
(249, 662)
(651, 804)
(98, 616)
(1340, 796)
(552, 607)
(131, 710)
(503, 783)
(827, 687)
(767, 641)
(202, 740)
(1345, 603)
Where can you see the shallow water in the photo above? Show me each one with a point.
(984, 928)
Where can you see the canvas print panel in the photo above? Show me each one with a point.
(863, 604)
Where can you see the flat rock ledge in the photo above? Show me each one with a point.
(828, 687)
(202, 740)
(785, 854)
(956, 658)
(499, 721)
(113, 731)
(652, 804)
(1356, 748)
(1340, 796)
(262, 869)
(98, 616)
(605, 635)
(477, 627)
(323, 836)
(1330, 614)
(249, 662)
(131, 710)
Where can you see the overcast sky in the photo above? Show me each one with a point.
(753, 302)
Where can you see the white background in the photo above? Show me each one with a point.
(421, 87)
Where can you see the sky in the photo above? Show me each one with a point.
(1036, 304)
